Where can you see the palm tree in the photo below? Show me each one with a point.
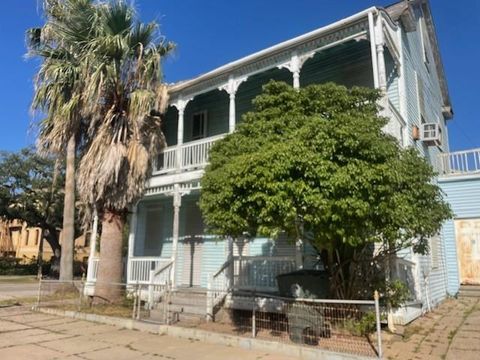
(58, 95)
(124, 97)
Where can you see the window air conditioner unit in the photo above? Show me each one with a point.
(431, 134)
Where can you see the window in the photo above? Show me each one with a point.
(199, 125)
(424, 41)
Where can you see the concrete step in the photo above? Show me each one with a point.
(188, 309)
(469, 291)
(193, 300)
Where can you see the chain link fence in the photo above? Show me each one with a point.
(345, 326)
(109, 299)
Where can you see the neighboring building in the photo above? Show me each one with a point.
(23, 242)
(460, 180)
(394, 49)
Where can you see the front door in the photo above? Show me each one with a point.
(468, 250)
(192, 239)
(192, 261)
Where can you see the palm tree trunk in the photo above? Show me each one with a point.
(68, 232)
(110, 267)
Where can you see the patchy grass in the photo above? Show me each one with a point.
(99, 309)
(20, 279)
(17, 301)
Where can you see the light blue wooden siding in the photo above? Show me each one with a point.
(261, 246)
(413, 67)
(216, 104)
(349, 64)
(252, 87)
(213, 257)
(463, 195)
(153, 235)
(392, 80)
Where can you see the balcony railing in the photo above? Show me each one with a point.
(459, 163)
(260, 272)
(189, 156)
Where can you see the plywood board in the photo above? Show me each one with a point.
(467, 233)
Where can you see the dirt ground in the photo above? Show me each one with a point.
(451, 331)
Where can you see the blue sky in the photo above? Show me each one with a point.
(210, 33)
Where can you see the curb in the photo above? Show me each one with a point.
(207, 336)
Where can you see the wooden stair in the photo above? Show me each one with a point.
(187, 306)
(469, 291)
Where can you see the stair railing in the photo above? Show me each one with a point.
(219, 285)
(159, 281)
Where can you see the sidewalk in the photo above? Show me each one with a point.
(452, 332)
(35, 336)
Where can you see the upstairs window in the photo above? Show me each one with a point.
(199, 125)
(424, 42)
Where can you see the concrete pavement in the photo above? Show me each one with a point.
(451, 332)
(35, 336)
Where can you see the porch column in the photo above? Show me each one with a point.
(177, 202)
(295, 65)
(131, 239)
(93, 246)
(231, 88)
(180, 104)
(380, 46)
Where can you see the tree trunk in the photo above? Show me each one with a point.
(110, 268)
(50, 234)
(68, 232)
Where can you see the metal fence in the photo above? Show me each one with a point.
(109, 299)
(351, 326)
(345, 326)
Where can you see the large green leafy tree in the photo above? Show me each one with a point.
(316, 160)
(31, 191)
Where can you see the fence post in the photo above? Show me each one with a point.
(254, 325)
(139, 300)
(135, 299)
(210, 297)
(80, 293)
(379, 328)
(39, 290)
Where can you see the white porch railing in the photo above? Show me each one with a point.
(459, 162)
(260, 272)
(140, 268)
(404, 270)
(193, 154)
(218, 287)
(92, 273)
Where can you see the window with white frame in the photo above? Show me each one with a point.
(199, 125)
(424, 42)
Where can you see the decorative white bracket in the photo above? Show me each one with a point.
(295, 65)
(231, 88)
(180, 104)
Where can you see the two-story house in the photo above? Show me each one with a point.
(394, 49)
